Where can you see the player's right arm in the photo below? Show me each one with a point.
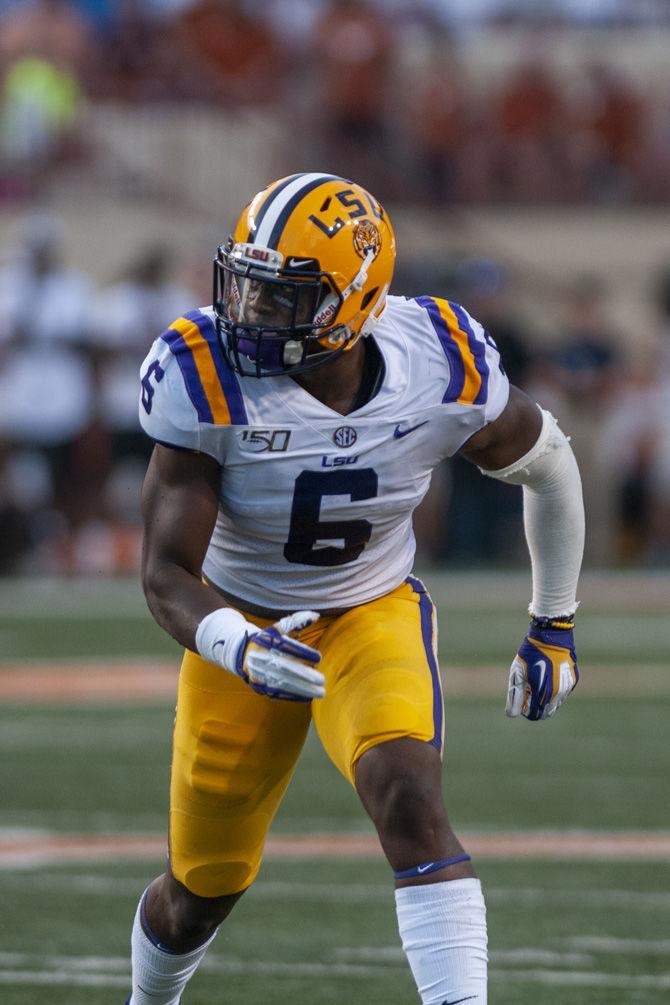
(180, 503)
(179, 508)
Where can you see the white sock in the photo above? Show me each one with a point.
(443, 932)
(159, 976)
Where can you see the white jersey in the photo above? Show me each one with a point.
(316, 507)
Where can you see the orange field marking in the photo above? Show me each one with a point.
(134, 681)
(61, 848)
(123, 682)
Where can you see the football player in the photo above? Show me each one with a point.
(297, 422)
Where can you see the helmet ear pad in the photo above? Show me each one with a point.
(348, 339)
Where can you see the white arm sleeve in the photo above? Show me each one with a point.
(553, 516)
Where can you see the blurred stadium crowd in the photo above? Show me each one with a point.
(72, 455)
(336, 72)
(384, 89)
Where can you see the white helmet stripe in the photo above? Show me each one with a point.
(286, 197)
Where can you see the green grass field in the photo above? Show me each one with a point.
(322, 930)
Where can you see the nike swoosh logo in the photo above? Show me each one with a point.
(297, 263)
(543, 672)
(470, 998)
(543, 669)
(398, 433)
(424, 868)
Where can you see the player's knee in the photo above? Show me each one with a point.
(186, 932)
(404, 804)
(187, 919)
(407, 810)
(400, 785)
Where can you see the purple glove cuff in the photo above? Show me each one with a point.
(561, 637)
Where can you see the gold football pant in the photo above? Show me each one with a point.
(235, 750)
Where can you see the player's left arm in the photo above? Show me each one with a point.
(524, 446)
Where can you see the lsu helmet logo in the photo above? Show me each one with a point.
(366, 238)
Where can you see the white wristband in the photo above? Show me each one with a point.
(220, 634)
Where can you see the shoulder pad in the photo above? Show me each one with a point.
(212, 386)
(464, 344)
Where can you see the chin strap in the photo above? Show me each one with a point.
(361, 277)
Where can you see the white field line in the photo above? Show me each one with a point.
(52, 978)
(605, 944)
(585, 979)
(629, 900)
(96, 972)
(599, 946)
(92, 969)
(78, 963)
(502, 957)
(633, 901)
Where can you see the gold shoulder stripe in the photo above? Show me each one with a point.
(202, 357)
(472, 378)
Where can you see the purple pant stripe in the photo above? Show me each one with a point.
(426, 612)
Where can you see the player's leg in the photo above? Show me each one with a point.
(400, 785)
(439, 903)
(381, 723)
(234, 753)
(161, 968)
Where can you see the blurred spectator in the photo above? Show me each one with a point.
(352, 50)
(633, 450)
(661, 298)
(142, 62)
(39, 110)
(530, 130)
(45, 48)
(659, 488)
(438, 122)
(46, 401)
(53, 30)
(579, 380)
(587, 358)
(612, 117)
(227, 55)
(15, 518)
(99, 13)
(72, 457)
(654, 160)
(292, 22)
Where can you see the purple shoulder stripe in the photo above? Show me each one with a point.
(228, 380)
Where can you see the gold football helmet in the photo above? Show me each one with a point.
(303, 276)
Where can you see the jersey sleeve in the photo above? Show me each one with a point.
(167, 414)
(476, 376)
(189, 395)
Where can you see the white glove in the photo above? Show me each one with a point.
(269, 660)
